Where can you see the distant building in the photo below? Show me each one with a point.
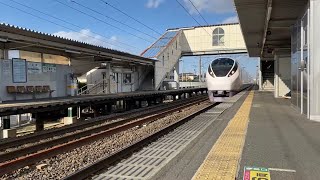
(188, 77)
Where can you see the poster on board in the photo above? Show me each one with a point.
(19, 70)
(34, 68)
(49, 67)
(6, 67)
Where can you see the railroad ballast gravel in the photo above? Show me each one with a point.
(64, 164)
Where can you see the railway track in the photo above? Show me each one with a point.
(24, 156)
(38, 136)
(118, 155)
(124, 152)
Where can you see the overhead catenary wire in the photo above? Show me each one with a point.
(199, 12)
(191, 16)
(89, 15)
(86, 7)
(119, 10)
(62, 20)
(52, 22)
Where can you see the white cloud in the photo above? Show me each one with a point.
(154, 3)
(113, 38)
(233, 19)
(85, 35)
(211, 6)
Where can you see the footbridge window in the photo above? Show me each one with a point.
(218, 37)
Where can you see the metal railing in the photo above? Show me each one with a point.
(97, 88)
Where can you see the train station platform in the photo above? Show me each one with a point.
(50, 104)
(260, 136)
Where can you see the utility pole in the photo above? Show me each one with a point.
(200, 78)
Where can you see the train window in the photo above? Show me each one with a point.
(222, 66)
(218, 37)
(235, 68)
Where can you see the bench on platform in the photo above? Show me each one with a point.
(29, 90)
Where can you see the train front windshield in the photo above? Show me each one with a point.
(222, 66)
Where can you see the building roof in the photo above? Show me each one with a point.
(192, 27)
(7, 30)
(266, 24)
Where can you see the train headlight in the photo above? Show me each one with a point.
(231, 73)
(234, 69)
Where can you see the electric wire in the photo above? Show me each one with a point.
(86, 7)
(117, 9)
(77, 27)
(52, 22)
(82, 12)
(191, 16)
(199, 12)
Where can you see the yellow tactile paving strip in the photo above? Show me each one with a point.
(223, 159)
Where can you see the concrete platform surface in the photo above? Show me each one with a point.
(281, 139)
(156, 159)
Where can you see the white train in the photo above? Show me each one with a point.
(223, 79)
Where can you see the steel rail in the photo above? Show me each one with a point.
(35, 137)
(117, 156)
(63, 145)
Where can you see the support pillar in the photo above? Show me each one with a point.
(95, 112)
(6, 122)
(39, 121)
(109, 108)
(7, 132)
(176, 75)
(78, 112)
(161, 99)
(108, 72)
(19, 120)
(200, 71)
(127, 105)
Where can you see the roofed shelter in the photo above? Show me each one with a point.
(285, 35)
(32, 59)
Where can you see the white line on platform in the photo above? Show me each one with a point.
(284, 170)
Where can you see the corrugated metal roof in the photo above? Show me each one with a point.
(202, 26)
(50, 37)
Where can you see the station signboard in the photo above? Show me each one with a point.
(34, 68)
(49, 67)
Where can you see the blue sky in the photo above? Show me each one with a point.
(100, 30)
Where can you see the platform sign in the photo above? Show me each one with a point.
(19, 70)
(34, 68)
(256, 173)
(6, 67)
(49, 67)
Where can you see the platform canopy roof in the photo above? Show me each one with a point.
(17, 38)
(266, 24)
